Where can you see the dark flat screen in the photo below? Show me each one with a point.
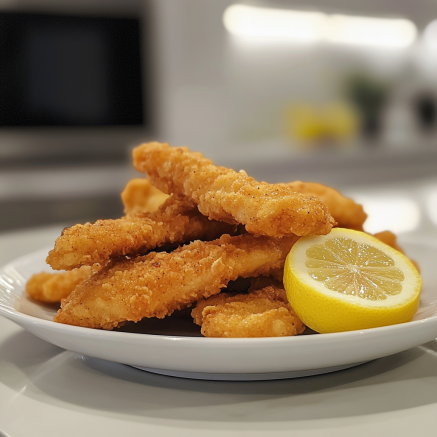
(58, 70)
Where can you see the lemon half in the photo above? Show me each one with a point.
(348, 280)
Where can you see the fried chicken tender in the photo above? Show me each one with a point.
(261, 313)
(140, 195)
(223, 194)
(345, 211)
(265, 285)
(176, 221)
(157, 284)
(53, 287)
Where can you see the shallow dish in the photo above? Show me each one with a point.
(174, 347)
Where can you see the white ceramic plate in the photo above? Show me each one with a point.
(174, 347)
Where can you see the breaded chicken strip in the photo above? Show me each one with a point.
(176, 221)
(53, 287)
(157, 284)
(261, 313)
(261, 284)
(140, 195)
(345, 211)
(223, 194)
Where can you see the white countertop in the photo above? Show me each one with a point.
(46, 391)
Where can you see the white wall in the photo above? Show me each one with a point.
(216, 95)
(192, 84)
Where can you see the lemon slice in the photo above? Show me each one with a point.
(349, 280)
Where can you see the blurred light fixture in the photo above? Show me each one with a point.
(365, 31)
(396, 214)
(265, 24)
(274, 24)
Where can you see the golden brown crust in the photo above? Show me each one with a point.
(261, 313)
(201, 304)
(345, 211)
(53, 287)
(176, 221)
(223, 194)
(157, 284)
(141, 196)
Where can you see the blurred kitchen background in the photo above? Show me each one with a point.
(342, 92)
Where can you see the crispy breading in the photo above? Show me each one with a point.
(265, 285)
(201, 304)
(157, 284)
(261, 313)
(176, 221)
(53, 287)
(345, 211)
(223, 194)
(140, 195)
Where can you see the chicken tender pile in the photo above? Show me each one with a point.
(191, 228)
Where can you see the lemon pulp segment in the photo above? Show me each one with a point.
(353, 268)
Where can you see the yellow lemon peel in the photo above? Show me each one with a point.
(348, 280)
